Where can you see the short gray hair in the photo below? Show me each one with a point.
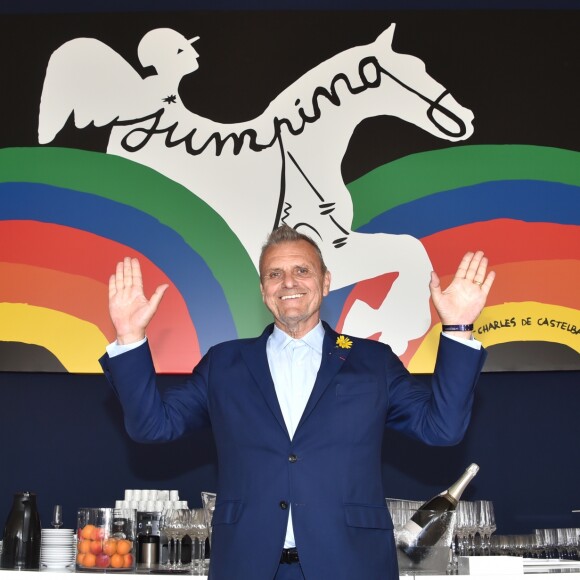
(285, 234)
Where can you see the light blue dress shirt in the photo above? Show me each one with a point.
(294, 365)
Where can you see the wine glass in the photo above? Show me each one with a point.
(491, 523)
(208, 500)
(175, 523)
(199, 531)
(165, 529)
(572, 543)
(460, 529)
(483, 520)
(57, 517)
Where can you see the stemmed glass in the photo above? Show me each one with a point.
(57, 517)
(491, 524)
(198, 530)
(572, 542)
(175, 523)
(464, 529)
(208, 500)
(485, 521)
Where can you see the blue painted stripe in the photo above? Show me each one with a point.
(531, 201)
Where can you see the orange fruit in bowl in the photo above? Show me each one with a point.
(110, 546)
(124, 547)
(117, 561)
(80, 558)
(127, 560)
(89, 560)
(84, 546)
(87, 531)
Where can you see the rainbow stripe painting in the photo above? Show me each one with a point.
(398, 142)
(63, 229)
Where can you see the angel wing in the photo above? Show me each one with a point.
(87, 78)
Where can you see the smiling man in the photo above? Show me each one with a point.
(293, 281)
(298, 415)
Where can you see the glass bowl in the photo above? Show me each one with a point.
(106, 540)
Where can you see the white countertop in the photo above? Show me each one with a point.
(64, 574)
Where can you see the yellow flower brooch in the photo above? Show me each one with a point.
(343, 342)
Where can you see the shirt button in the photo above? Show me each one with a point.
(292, 458)
(283, 505)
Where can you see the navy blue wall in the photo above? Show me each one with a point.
(63, 437)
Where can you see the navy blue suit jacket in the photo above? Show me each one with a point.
(330, 472)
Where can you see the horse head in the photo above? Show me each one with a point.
(414, 96)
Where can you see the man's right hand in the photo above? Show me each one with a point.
(129, 308)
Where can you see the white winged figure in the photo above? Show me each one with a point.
(106, 87)
(284, 166)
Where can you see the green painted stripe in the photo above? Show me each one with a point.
(424, 174)
(132, 184)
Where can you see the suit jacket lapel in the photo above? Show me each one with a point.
(254, 354)
(332, 360)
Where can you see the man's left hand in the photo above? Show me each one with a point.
(463, 300)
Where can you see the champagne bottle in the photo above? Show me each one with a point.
(428, 524)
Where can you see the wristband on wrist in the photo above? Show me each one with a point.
(454, 327)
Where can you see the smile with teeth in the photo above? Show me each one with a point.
(291, 296)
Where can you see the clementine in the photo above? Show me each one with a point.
(89, 560)
(110, 546)
(124, 547)
(117, 561)
(87, 531)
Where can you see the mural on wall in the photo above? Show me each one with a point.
(194, 198)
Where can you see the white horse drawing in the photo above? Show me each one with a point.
(282, 166)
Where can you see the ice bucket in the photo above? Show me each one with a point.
(427, 551)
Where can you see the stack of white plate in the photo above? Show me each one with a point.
(58, 548)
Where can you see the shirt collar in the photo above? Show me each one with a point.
(279, 339)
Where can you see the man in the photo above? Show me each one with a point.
(298, 416)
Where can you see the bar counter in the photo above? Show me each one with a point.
(476, 568)
(58, 574)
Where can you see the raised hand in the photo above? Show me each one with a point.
(129, 308)
(463, 300)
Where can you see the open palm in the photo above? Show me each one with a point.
(129, 308)
(463, 300)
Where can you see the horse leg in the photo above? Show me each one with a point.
(405, 312)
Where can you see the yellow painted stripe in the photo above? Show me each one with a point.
(77, 344)
(510, 322)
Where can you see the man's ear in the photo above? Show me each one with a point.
(326, 283)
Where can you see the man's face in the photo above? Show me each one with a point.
(293, 285)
